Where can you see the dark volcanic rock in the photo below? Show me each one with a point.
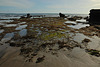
(94, 16)
(28, 16)
(97, 26)
(62, 15)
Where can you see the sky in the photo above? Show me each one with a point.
(48, 6)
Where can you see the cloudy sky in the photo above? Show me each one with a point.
(48, 6)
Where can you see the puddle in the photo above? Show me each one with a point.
(1, 31)
(32, 26)
(6, 20)
(2, 23)
(39, 31)
(37, 17)
(23, 32)
(94, 44)
(82, 20)
(10, 25)
(7, 37)
(79, 37)
(71, 22)
(8, 17)
(22, 23)
(21, 27)
(78, 26)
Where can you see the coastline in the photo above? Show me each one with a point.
(51, 40)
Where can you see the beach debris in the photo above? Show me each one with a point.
(93, 52)
(40, 59)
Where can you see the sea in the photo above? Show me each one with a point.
(18, 15)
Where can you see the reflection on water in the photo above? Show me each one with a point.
(1, 31)
(39, 31)
(21, 27)
(32, 26)
(22, 23)
(82, 20)
(94, 44)
(71, 22)
(6, 20)
(9, 17)
(10, 25)
(79, 37)
(7, 37)
(23, 32)
(78, 26)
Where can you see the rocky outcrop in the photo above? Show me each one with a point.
(62, 15)
(94, 17)
(27, 16)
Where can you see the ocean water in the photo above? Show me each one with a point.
(17, 15)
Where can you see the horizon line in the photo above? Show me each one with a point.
(43, 12)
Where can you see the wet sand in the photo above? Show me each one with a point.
(48, 42)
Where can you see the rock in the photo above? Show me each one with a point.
(12, 44)
(26, 50)
(93, 52)
(86, 40)
(40, 59)
(54, 53)
(94, 17)
(28, 16)
(97, 26)
(62, 15)
(22, 17)
(34, 54)
(72, 19)
(16, 44)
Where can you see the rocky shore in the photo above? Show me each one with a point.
(49, 42)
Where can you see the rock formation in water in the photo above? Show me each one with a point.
(62, 15)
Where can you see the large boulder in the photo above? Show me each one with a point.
(94, 17)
